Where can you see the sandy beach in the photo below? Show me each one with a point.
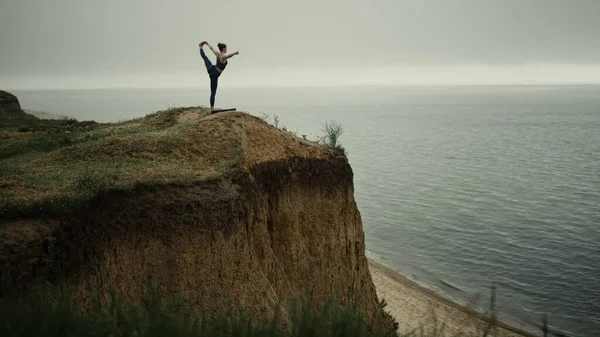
(421, 310)
(45, 115)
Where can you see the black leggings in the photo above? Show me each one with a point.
(214, 77)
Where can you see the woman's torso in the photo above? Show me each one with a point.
(220, 65)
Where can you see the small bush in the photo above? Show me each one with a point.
(333, 130)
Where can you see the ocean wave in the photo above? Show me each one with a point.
(522, 245)
(373, 256)
(449, 284)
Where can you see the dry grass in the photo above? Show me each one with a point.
(52, 167)
(52, 170)
(157, 316)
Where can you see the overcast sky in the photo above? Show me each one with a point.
(112, 43)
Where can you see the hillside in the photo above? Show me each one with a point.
(222, 208)
(10, 108)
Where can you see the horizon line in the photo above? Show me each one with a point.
(300, 86)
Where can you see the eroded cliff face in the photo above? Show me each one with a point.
(274, 229)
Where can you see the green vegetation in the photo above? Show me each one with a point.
(49, 168)
(333, 130)
(34, 124)
(38, 316)
(37, 142)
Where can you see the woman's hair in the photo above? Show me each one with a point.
(221, 46)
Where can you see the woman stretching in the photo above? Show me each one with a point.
(214, 71)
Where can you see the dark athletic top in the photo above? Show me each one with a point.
(221, 65)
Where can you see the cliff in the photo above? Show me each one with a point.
(222, 208)
(10, 108)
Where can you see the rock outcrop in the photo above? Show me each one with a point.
(10, 107)
(268, 219)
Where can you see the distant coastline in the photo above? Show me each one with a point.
(45, 115)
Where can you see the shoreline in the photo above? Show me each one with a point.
(417, 308)
(45, 115)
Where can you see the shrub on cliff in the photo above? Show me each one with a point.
(333, 130)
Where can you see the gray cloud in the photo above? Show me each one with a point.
(85, 38)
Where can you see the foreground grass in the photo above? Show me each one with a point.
(156, 318)
(62, 318)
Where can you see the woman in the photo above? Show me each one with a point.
(214, 71)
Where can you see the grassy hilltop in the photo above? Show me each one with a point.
(49, 167)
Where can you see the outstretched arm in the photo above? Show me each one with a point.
(225, 57)
(213, 49)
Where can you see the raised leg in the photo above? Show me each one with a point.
(207, 62)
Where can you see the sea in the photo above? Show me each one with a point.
(460, 189)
